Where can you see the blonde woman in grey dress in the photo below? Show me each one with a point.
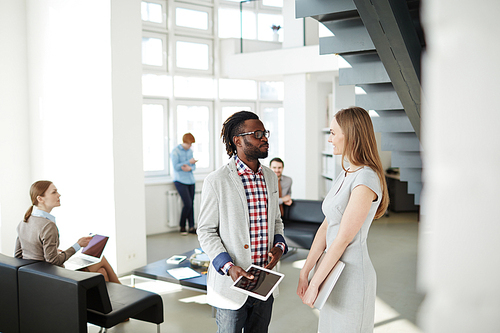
(358, 195)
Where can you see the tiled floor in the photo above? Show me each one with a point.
(392, 245)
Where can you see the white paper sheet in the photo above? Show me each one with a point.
(183, 273)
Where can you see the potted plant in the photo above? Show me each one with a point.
(275, 28)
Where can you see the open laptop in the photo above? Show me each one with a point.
(91, 254)
(327, 286)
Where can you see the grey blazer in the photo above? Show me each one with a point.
(224, 226)
(39, 239)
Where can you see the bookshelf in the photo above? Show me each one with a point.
(328, 170)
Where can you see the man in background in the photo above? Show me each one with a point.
(284, 183)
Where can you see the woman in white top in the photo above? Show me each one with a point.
(38, 236)
(358, 195)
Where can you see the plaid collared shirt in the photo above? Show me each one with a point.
(256, 192)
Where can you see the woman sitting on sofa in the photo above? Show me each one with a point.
(38, 236)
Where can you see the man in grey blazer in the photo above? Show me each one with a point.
(240, 224)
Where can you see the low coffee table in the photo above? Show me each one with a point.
(158, 271)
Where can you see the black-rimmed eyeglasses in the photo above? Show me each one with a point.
(257, 134)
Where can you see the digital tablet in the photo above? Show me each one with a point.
(261, 286)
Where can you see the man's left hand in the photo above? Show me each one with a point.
(275, 256)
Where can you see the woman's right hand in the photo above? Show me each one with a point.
(84, 241)
(310, 296)
(302, 287)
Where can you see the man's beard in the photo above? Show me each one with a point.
(253, 152)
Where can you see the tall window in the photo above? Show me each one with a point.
(195, 118)
(154, 125)
(182, 88)
(194, 55)
(273, 119)
(154, 13)
(193, 19)
(154, 53)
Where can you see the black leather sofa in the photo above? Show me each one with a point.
(41, 297)
(301, 220)
(9, 292)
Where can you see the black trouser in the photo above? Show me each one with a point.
(187, 195)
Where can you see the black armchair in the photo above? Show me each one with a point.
(55, 299)
(301, 221)
(9, 293)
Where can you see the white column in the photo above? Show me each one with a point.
(302, 135)
(14, 130)
(85, 104)
(292, 28)
(129, 191)
(459, 247)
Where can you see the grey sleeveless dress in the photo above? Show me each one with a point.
(351, 305)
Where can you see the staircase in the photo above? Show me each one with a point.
(382, 40)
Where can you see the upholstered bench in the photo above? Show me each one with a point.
(301, 221)
(9, 293)
(54, 299)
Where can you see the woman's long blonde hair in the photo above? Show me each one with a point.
(37, 189)
(361, 147)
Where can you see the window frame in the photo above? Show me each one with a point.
(164, 38)
(193, 32)
(199, 2)
(209, 42)
(265, 100)
(169, 94)
(256, 91)
(162, 27)
(213, 86)
(174, 134)
(281, 139)
(166, 120)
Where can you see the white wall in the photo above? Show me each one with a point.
(71, 113)
(14, 124)
(83, 92)
(459, 243)
(275, 63)
(157, 208)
